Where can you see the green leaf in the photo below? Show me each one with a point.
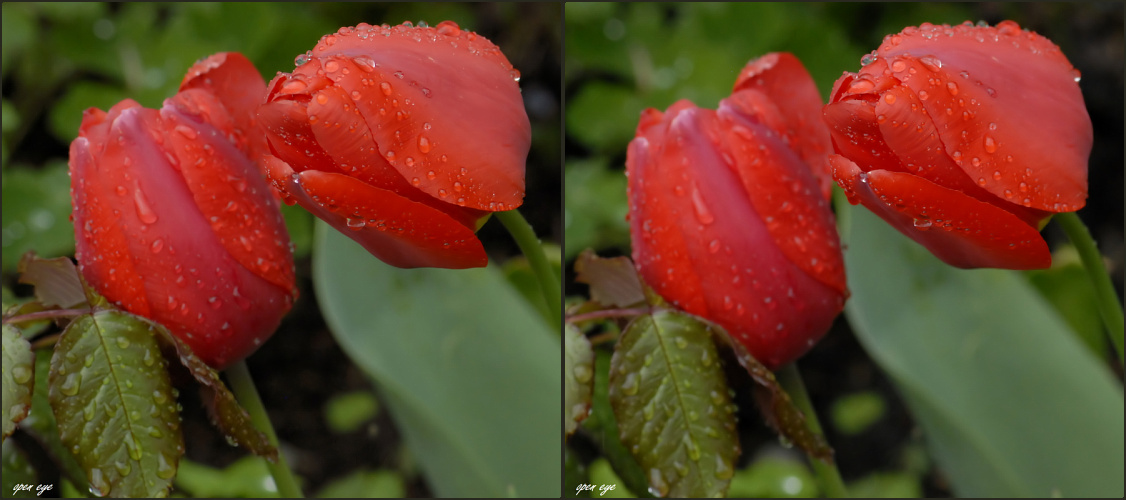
(247, 477)
(36, 209)
(887, 485)
(613, 281)
(41, 424)
(671, 400)
(604, 427)
(66, 115)
(17, 471)
(366, 484)
(604, 479)
(19, 378)
(595, 210)
(1067, 286)
(467, 369)
(56, 281)
(115, 405)
(578, 378)
(299, 224)
(348, 412)
(519, 273)
(774, 477)
(855, 413)
(1012, 404)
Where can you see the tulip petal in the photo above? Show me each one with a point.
(728, 269)
(396, 230)
(233, 79)
(956, 228)
(290, 136)
(784, 80)
(784, 192)
(988, 84)
(445, 94)
(856, 134)
(910, 133)
(344, 135)
(231, 194)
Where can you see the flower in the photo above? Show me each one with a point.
(403, 138)
(729, 223)
(175, 223)
(964, 138)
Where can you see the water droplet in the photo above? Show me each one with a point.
(723, 470)
(923, 224)
(996, 175)
(159, 397)
(898, 65)
(930, 62)
(423, 144)
(71, 384)
(630, 385)
(322, 98)
(889, 98)
(157, 245)
(657, 485)
(88, 413)
(703, 214)
(122, 343)
(21, 374)
(385, 88)
(990, 144)
(713, 247)
(187, 132)
(144, 210)
(952, 88)
(123, 467)
(98, 485)
(132, 446)
(332, 66)
(164, 469)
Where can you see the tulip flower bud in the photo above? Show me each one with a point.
(730, 224)
(965, 139)
(403, 138)
(174, 223)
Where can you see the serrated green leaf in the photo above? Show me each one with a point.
(1010, 402)
(36, 207)
(41, 424)
(464, 365)
(17, 471)
(19, 379)
(56, 281)
(578, 378)
(613, 281)
(366, 484)
(115, 405)
(671, 401)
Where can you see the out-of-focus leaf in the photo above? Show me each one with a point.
(115, 405)
(519, 273)
(464, 365)
(19, 30)
(578, 378)
(56, 281)
(595, 207)
(19, 379)
(613, 281)
(585, 116)
(1067, 286)
(1011, 403)
(41, 424)
(855, 413)
(604, 426)
(346, 413)
(773, 477)
(17, 471)
(604, 479)
(887, 485)
(574, 474)
(299, 223)
(247, 477)
(36, 208)
(671, 401)
(66, 116)
(366, 484)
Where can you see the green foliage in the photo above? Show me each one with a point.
(18, 377)
(465, 366)
(17, 470)
(578, 378)
(36, 208)
(774, 477)
(348, 412)
(855, 413)
(1012, 404)
(366, 484)
(248, 477)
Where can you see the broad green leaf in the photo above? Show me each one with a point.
(578, 378)
(594, 213)
(519, 273)
(671, 401)
(115, 405)
(606, 482)
(56, 281)
(1011, 403)
(1067, 286)
(774, 477)
(41, 424)
(347, 412)
(247, 477)
(613, 281)
(17, 471)
(465, 366)
(366, 484)
(36, 208)
(19, 378)
(604, 429)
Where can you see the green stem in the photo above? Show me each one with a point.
(1105, 297)
(243, 386)
(525, 237)
(832, 486)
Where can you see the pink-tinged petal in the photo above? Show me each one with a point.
(398, 231)
(910, 133)
(855, 130)
(693, 252)
(785, 81)
(956, 228)
(985, 85)
(785, 194)
(444, 94)
(229, 191)
(290, 136)
(236, 83)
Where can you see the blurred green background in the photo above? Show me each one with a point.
(624, 57)
(62, 58)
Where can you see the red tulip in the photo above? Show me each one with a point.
(405, 139)
(964, 138)
(173, 222)
(729, 223)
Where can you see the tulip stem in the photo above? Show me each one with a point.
(832, 486)
(243, 386)
(525, 237)
(1105, 297)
